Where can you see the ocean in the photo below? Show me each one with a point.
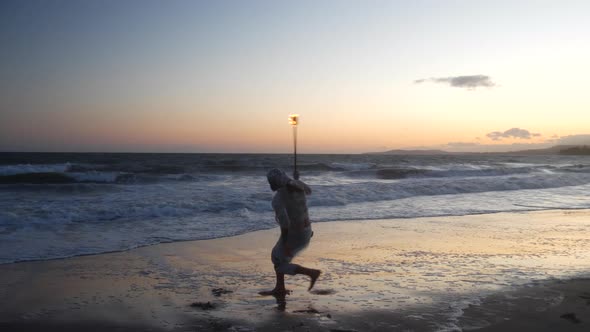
(55, 205)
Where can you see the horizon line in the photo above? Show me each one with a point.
(290, 153)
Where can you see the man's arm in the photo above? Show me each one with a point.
(281, 215)
(284, 234)
(282, 219)
(299, 186)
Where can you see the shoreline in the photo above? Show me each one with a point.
(534, 209)
(378, 275)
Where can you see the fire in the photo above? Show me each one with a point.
(294, 119)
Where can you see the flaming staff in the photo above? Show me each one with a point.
(294, 121)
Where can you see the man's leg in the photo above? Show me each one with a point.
(297, 243)
(279, 292)
(279, 261)
(313, 274)
(292, 269)
(280, 285)
(283, 265)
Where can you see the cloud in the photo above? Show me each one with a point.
(553, 140)
(469, 81)
(468, 147)
(512, 132)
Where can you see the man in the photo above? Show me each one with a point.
(290, 206)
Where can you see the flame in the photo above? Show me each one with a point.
(294, 119)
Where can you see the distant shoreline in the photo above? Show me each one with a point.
(574, 150)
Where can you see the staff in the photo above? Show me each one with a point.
(294, 121)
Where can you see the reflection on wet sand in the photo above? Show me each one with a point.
(281, 298)
(281, 301)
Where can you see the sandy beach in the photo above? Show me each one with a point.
(504, 271)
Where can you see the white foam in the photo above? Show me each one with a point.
(377, 190)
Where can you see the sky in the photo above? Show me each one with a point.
(223, 76)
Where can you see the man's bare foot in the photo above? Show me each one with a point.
(314, 275)
(276, 292)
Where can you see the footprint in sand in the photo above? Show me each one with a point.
(323, 291)
(571, 317)
(203, 305)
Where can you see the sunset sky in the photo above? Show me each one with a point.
(223, 76)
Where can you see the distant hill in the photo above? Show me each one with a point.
(411, 152)
(576, 150)
(558, 149)
(554, 150)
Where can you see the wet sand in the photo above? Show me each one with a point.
(509, 271)
(524, 309)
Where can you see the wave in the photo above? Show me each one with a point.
(36, 178)
(146, 223)
(252, 196)
(67, 178)
(352, 166)
(577, 168)
(371, 191)
(6, 170)
(70, 174)
(395, 173)
(139, 199)
(495, 171)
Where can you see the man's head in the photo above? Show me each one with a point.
(277, 179)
